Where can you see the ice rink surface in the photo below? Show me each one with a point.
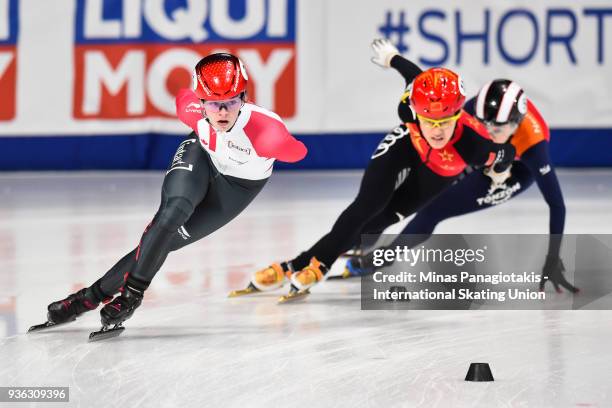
(191, 346)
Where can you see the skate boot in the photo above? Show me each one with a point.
(302, 281)
(67, 310)
(358, 266)
(116, 312)
(267, 279)
(363, 265)
(352, 268)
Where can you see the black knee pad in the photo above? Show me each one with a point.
(175, 213)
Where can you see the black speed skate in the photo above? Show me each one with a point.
(116, 312)
(66, 310)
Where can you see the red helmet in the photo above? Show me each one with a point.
(219, 76)
(437, 93)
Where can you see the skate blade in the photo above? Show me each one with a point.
(47, 325)
(243, 292)
(293, 296)
(104, 334)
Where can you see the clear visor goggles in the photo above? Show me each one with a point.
(230, 105)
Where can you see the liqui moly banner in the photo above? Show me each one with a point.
(131, 57)
(104, 67)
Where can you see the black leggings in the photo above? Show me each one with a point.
(196, 200)
(395, 184)
(473, 193)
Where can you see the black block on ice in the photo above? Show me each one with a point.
(479, 372)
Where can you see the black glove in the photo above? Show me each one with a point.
(553, 271)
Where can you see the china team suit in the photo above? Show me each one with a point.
(213, 176)
(474, 192)
(404, 174)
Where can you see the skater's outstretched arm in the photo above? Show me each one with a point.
(535, 154)
(407, 68)
(537, 160)
(271, 138)
(409, 71)
(387, 55)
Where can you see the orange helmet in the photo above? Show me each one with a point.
(437, 93)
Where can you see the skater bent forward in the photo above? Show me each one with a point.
(216, 172)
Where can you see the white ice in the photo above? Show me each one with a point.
(191, 346)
